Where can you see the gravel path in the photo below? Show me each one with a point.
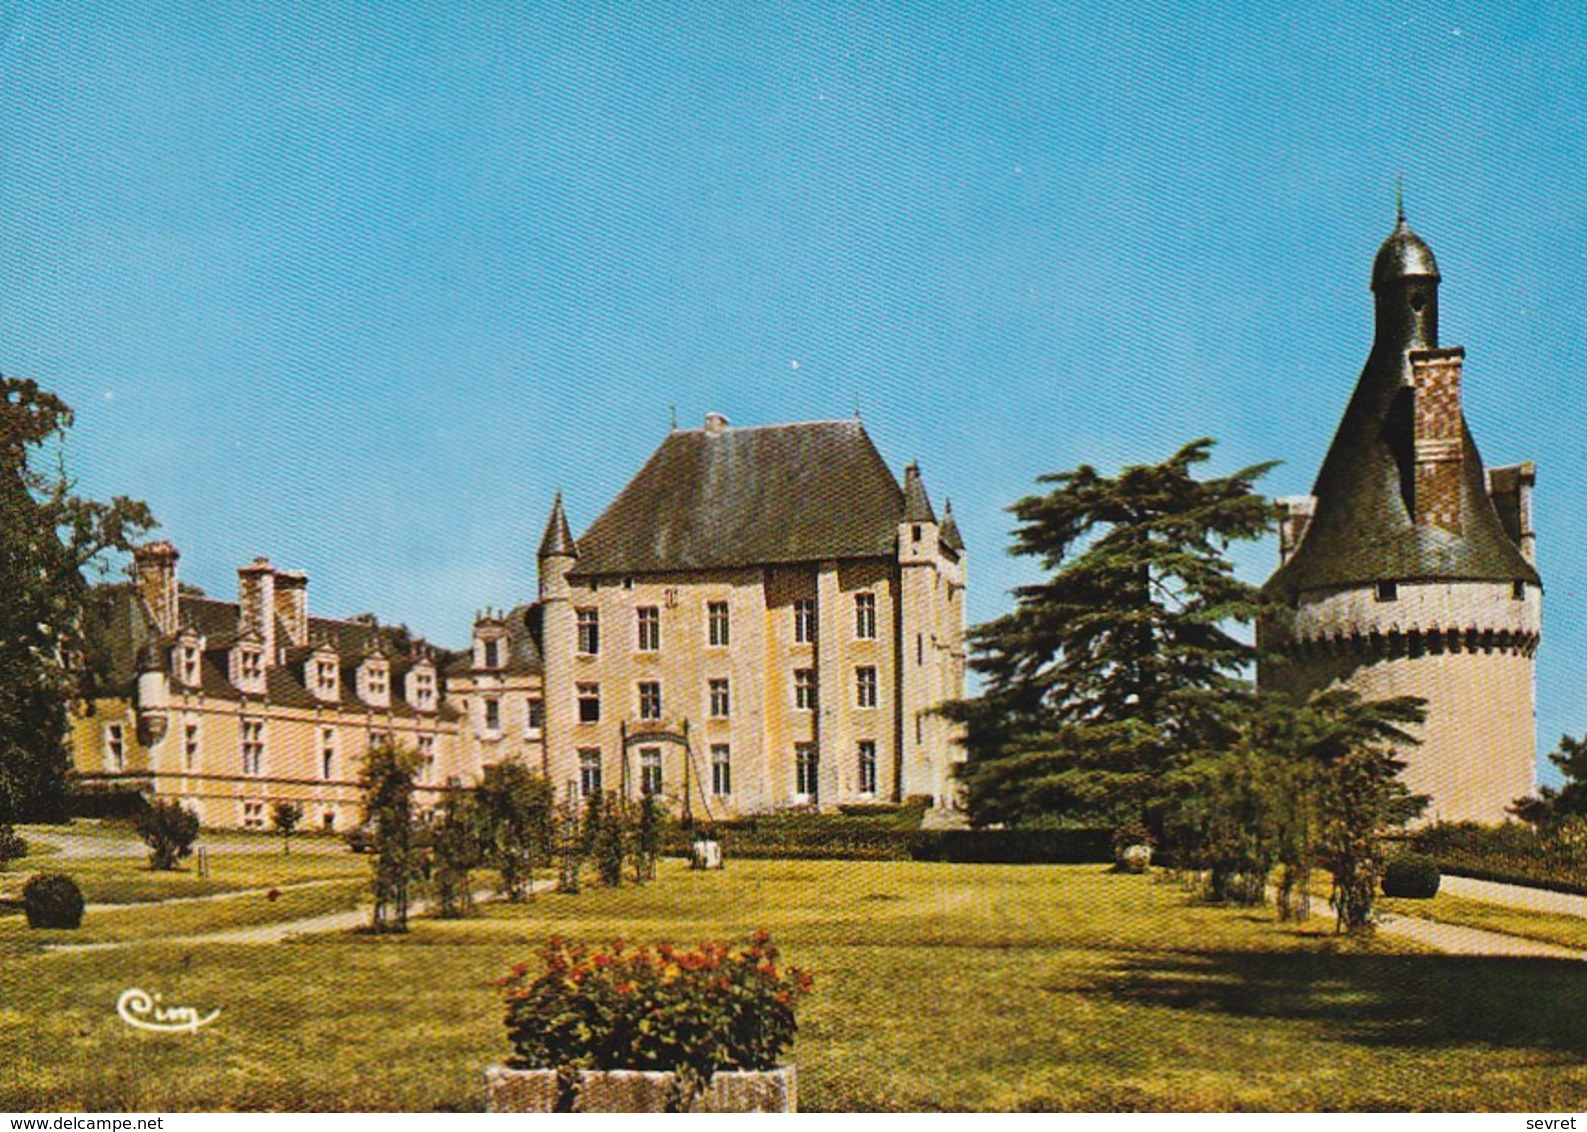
(1458, 940)
(1515, 896)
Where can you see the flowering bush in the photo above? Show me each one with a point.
(690, 1012)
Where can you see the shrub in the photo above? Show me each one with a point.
(12, 845)
(1411, 876)
(690, 1012)
(169, 829)
(52, 900)
(1135, 858)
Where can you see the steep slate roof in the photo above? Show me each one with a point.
(745, 496)
(119, 630)
(1362, 531)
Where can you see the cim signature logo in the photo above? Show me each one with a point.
(138, 1008)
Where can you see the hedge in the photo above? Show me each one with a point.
(842, 841)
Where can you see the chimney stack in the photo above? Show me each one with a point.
(156, 567)
(256, 604)
(1439, 436)
(292, 605)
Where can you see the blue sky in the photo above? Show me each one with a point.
(359, 286)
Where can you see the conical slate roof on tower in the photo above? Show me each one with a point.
(1364, 527)
(558, 538)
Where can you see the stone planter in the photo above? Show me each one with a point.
(635, 1090)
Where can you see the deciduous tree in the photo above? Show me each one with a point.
(49, 538)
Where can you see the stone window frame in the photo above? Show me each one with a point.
(718, 624)
(866, 756)
(806, 690)
(252, 743)
(806, 621)
(534, 717)
(588, 697)
(589, 771)
(588, 619)
(647, 628)
(330, 748)
(424, 744)
(115, 737)
(722, 769)
(650, 779)
(865, 685)
(490, 715)
(649, 698)
(720, 694)
(192, 743)
(807, 772)
(865, 616)
(422, 683)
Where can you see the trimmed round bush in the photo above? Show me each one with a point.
(52, 900)
(1412, 877)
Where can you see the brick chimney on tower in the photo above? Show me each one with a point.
(1439, 437)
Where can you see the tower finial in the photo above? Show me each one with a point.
(1399, 199)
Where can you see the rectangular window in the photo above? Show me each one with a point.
(190, 745)
(804, 621)
(649, 621)
(325, 679)
(805, 689)
(492, 653)
(865, 686)
(377, 681)
(424, 690)
(589, 703)
(867, 781)
(426, 748)
(1388, 591)
(717, 624)
(589, 771)
(721, 699)
(865, 617)
(589, 631)
(534, 716)
(250, 663)
(253, 815)
(327, 752)
(492, 714)
(190, 665)
(650, 770)
(115, 747)
(649, 700)
(253, 746)
(920, 648)
(807, 765)
(721, 769)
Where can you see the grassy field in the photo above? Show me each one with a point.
(938, 986)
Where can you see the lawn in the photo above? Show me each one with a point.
(938, 986)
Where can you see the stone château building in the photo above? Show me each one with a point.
(1410, 569)
(764, 617)
(235, 706)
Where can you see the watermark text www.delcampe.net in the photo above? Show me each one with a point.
(89, 1123)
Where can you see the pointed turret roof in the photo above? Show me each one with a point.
(917, 504)
(558, 538)
(1362, 530)
(950, 529)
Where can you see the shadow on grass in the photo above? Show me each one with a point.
(1390, 1000)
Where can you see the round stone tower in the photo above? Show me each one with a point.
(1409, 570)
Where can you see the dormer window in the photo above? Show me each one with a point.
(189, 657)
(491, 649)
(248, 672)
(324, 675)
(421, 688)
(374, 679)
